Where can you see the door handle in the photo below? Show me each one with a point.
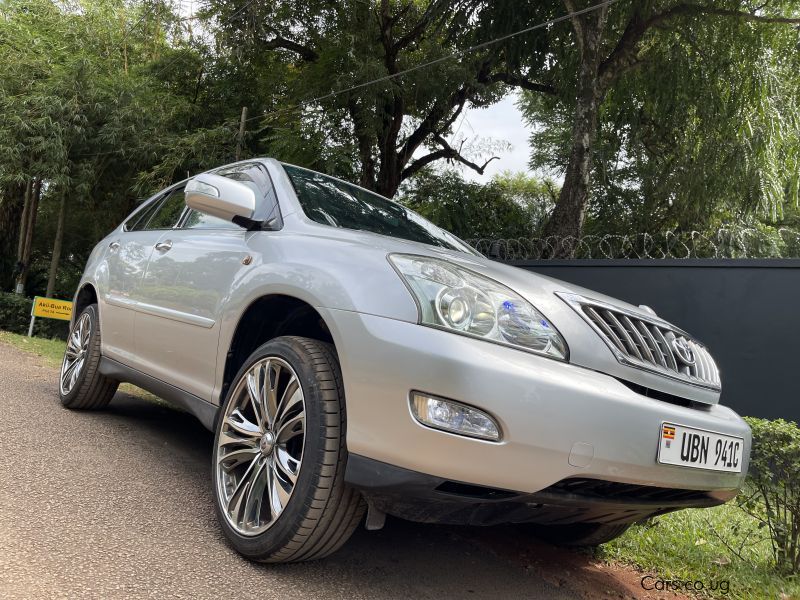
(113, 246)
(164, 246)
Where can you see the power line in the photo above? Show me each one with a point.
(392, 76)
(441, 59)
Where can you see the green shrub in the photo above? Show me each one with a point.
(773, 494)
(15, 312)
(15, 316)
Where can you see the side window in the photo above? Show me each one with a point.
(168, 212)
(198, 220)
(140, 219)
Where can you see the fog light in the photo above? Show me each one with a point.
(454, 417)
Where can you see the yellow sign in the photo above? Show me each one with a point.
(50, 308)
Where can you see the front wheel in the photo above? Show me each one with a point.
(279, 455)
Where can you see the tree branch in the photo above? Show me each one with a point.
(306, 53)
(576, 23)
(521, 82)
(422, 26)
(448, 152)
(698, 9)
(624, 55)
(428, 124)
(423, 161)
(361, 131)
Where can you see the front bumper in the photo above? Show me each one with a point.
(559, 421)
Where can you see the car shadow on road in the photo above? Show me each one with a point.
(402, 560)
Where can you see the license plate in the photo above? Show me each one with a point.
(699, 449)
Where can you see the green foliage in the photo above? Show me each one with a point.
(704, 126)
(109, 100)
(104, 101)
(775, 480)
(15, 312)
(508, 206)
(384, 133)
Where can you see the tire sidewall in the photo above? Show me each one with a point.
(290, 520)
(94, 348)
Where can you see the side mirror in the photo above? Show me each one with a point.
(221, 197)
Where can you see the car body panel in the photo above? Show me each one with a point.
(123, 267)
(183, 296)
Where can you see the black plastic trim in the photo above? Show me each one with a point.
(429, 499)
(205, 412)
(663, 396)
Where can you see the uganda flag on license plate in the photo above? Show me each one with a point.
(668, 432)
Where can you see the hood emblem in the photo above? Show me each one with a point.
(684, 351)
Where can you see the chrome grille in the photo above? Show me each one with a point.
(649, 343)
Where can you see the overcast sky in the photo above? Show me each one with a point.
(501, 122)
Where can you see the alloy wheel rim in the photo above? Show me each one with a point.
(75, 353)
(260, 446)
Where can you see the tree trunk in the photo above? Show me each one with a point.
(23, 228)
(389, 177)
(36, 192)
(51, 280)
(12, 202)
(566, 222)
(240, 137)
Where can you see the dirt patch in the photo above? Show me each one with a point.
(571, 570)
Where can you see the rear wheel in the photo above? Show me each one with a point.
(279, 455)
(81, 385)
(580, 534)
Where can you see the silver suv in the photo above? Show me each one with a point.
(353, 359)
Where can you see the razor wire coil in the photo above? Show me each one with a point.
(734, 242)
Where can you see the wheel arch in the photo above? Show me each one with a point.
(267, 317)
(86, 295)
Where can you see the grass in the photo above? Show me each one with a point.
(714, 545)
(52, 352)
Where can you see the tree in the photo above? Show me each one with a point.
(509, 206)
(383, 133)
(632, 102)
(81, 116)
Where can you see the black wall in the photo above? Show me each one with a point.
(747, 312)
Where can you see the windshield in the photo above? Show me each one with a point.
(333, 202)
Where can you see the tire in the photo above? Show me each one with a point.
(87, 389)
(298, 386)
(580, 534)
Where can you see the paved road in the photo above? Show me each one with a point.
(118, 504)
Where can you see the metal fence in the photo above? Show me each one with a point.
(733, 242)
(744, 311)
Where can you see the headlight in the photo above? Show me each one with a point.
(461, 301)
